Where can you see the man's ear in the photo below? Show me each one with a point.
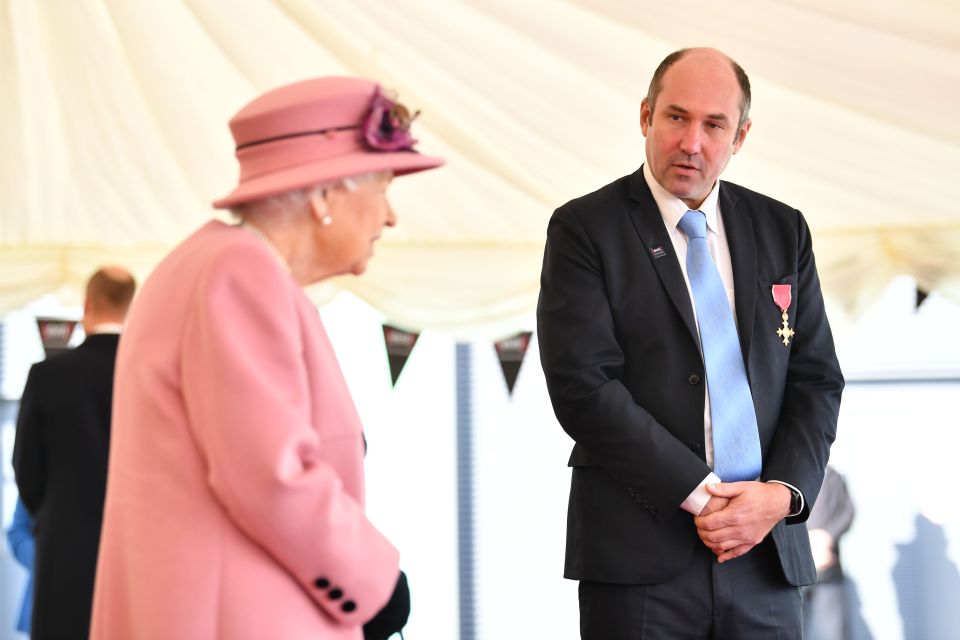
(741, 135)
(645, 114)
(86, 321)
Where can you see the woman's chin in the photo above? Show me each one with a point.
(359, 268)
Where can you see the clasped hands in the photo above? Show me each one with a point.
(739, 515)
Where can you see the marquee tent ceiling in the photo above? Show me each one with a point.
(115, 140)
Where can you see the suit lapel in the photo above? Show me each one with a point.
(743, 256)
(658, 247)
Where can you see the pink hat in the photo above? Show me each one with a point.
(318, 131)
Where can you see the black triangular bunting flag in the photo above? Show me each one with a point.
(55, 334)
(510, 352)
(399, 345)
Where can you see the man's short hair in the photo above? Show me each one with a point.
(656, 83)
(111, 288)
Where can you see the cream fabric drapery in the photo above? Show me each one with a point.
(115, 140)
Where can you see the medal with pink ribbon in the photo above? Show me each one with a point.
(782, 296)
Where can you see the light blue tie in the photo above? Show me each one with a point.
(736, 442)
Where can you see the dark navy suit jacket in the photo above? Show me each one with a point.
(620, 351)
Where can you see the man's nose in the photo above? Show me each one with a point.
(692, 140)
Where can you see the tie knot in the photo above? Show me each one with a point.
(694, 224)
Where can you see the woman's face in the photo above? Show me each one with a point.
(357, 220)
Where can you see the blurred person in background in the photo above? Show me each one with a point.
(825, 605)
(235, 506)
(60, 458)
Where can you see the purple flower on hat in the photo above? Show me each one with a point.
(387, 126)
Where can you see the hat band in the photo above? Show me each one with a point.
(284, 152)
(294, 135)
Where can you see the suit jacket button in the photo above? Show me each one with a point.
(321, 583)
(653, 510)
(335, 594)
(693, 379)
(348, 606)
(694, 446)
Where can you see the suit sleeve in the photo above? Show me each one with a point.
(811, 399)
(29, 457)
(834, 510)
(265, 460)
(584, 365)
(842, 517)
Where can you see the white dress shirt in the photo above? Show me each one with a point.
(672, 210)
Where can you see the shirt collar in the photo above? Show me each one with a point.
(672, 208)
(106, 327)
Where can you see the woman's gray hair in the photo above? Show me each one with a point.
(298, 199)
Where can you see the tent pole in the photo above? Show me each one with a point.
(465, 492)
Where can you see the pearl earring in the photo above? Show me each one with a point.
(326, 220)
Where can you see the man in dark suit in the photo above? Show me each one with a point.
(662, 547)
(60, 459)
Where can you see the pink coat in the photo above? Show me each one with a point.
(235, 494)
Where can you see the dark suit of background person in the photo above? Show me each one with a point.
(620, 351)
(60, 459)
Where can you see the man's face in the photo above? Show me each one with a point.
(692, 132)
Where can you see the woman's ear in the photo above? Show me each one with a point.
(319, 209)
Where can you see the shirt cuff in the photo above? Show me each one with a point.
(699, 498)
(802, 503)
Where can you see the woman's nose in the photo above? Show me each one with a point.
(391, 215)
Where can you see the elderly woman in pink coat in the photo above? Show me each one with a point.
(235, 500)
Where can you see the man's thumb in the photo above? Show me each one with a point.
(723, 489)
